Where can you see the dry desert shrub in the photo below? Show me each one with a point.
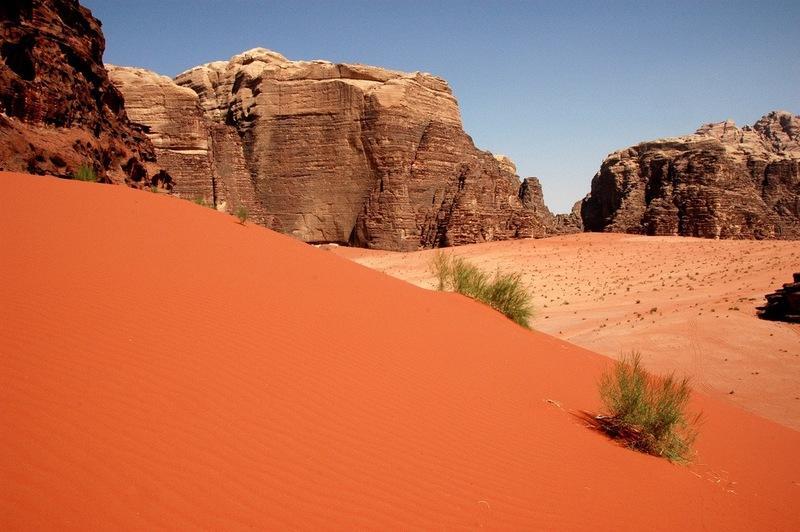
(241, 214)
(85, 173)
(646, 412)
(503, 292)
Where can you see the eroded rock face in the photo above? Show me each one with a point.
(721, 182)
(530, 193)
(58, 109)
(336, 153)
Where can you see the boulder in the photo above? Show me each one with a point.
(784, 303)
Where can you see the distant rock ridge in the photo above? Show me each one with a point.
(530, 192)
(720, 182)
(58, 109)
(328, 152)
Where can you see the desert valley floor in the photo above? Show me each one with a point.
(687, 304)
(164, 367)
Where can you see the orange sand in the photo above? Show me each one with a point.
(165, 367)
(687, 304)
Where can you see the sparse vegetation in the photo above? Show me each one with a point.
(241, 214)
(85, 173)
(647, 412)
(503, 292)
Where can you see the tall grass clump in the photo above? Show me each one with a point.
(502, 292)
(241, 214)
(647, 413)
(85, 173)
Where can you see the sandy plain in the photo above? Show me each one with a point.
(686, 304)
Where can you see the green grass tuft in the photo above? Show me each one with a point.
(647, 412)
(241, 213)
(85, 173)
(503, 292)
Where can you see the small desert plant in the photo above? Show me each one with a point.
(85, 173)
(647, 412)
(506, 294)
(441, 268)
(200, 200)
(503, 292)
(241, 213)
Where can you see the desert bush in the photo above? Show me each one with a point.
(85, 173)
(503, 292)
(646, 412)
(506, 294)
(441, 268)
(241, 213)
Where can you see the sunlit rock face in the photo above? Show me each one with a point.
(721, 182)
(330, 152)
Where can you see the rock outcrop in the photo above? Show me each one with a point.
(329, 152)
(784, 303)
(721, 182)
(530, 192)
(58, 109)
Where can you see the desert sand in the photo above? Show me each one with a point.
(687, 304)
(164, 366)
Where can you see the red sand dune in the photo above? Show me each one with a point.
(165, 367)
(687, 304)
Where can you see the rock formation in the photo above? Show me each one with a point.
(721, 182)
(530, 192)
(330, 152)
(58, 110)
(784, 303)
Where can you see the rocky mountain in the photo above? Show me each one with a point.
(58, 109)
(721, 182)
(530, 192)
(330, 152)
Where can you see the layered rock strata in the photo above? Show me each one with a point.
(721, 182)
(58, 109)
(331, 152)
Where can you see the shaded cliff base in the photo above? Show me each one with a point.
(257, 382)
(686, 304)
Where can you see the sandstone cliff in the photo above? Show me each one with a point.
(530, 193)
(58, 109)
(330, 152)
(721, 182)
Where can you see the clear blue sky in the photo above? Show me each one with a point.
(554, 85)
